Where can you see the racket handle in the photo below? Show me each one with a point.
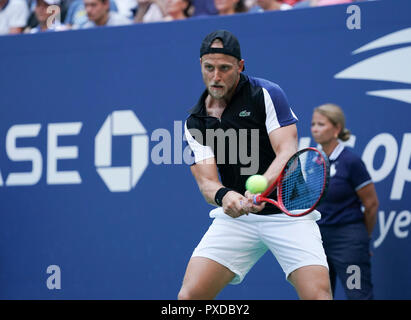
(256, 200)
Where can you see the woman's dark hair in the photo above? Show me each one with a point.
(240, 7)
(187, 11)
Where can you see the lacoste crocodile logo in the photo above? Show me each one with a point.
(244, 113)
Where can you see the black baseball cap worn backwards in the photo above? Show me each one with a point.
(231, 46)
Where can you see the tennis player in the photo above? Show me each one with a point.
(242, 232)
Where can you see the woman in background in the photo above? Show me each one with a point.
(177, 9)
(346, 229)
(228, 7)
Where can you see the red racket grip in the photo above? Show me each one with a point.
(256, 200)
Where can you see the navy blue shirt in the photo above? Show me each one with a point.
(348, 174)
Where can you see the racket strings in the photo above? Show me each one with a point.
(303, 181)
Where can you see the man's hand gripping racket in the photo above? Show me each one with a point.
(301, 184)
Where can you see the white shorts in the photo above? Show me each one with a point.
(238, 243)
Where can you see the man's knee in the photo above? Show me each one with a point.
(312, 283)
(320, 291)
(193, 294)
(184, 294)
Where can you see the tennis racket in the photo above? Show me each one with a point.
(301, 184)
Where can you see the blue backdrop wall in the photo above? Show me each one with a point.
(94, 175)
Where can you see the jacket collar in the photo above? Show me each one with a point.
(336, 152)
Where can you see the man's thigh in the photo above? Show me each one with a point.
(204, 279)
(234, 244)
(295, 242)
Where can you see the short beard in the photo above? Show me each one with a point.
(217, 96)
(223, 95)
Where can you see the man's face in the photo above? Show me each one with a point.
(173, 6)
(96, 9)
(41, 11)
(264, 3)
(221, 73)
(223, 5)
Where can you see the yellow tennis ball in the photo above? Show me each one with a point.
(256, 184)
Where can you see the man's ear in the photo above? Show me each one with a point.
(241, 64)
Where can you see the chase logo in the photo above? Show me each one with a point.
(121, 123)
(392, 66)
(116, 178)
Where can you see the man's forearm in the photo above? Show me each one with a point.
(277, 166)
(209, 188)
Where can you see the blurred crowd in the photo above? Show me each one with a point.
(33, 16)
